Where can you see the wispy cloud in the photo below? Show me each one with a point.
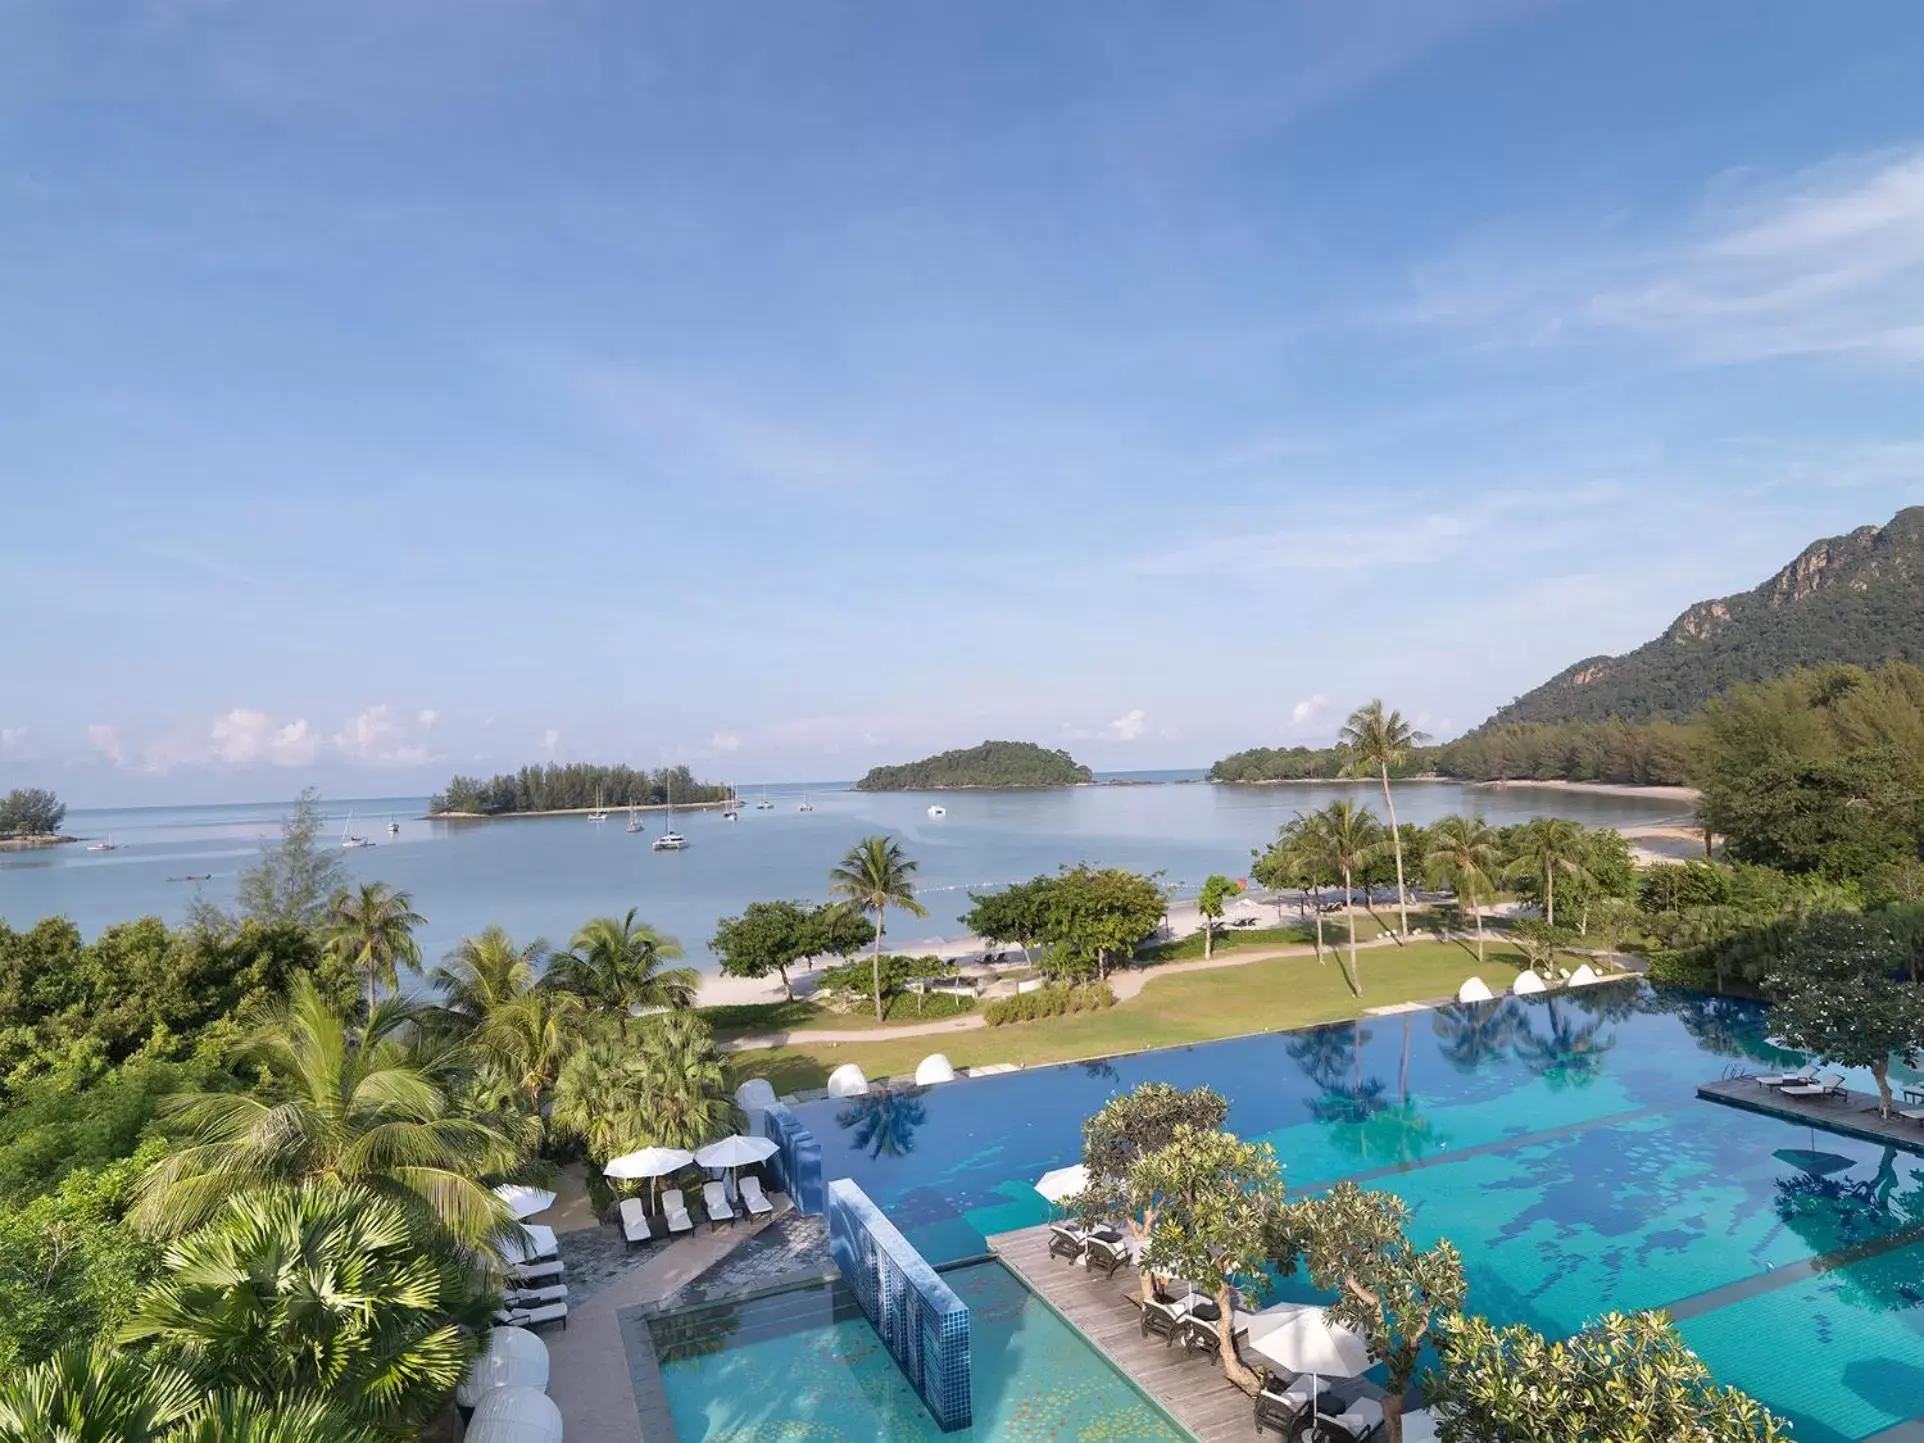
(1363, 546)
(104, 742)
(13, 741)
(1308, 709)
(1827, 260)
(244, 738)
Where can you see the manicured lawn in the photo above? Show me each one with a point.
(1266, 996)
(749, 1018)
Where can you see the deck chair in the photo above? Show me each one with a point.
(716, 1204)
(536, 1272)
(1361, 1420)
(534, 1317)
(675, 1211)
(634, 1222)
(1282, 1403)
(535, 1297)
(1106, 1255)
(754, 1199)
(1065, 1242)
(1162, 1320)
(1790, 1079)
(1831, 1084)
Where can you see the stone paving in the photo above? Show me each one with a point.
(791, 1247)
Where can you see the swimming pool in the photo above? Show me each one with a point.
(805, 1364)
(1557, 1141)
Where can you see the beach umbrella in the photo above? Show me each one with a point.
(649, 1162)
(1304, 1340)
(733, 1152)
(1064, 1182)
(1817, 1164)
(528, 1242)
(524, 1201)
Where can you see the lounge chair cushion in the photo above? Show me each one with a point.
(634, 1221)
(530, 1272)
(716, 1203)
(533, 1317)
(534, 1297)
(753, 1198)
(676, 1211)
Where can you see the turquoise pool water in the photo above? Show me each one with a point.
(1557, 1142)
(805, 1365)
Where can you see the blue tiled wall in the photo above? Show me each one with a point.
(798, 1164)
(917, 1316)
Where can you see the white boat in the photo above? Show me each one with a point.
(349, 841)
(105, 845)
(600, 813)
(634, 822)
(670, 842)
(764, 805)
(393, 827)
(807, 805)
(938, 811)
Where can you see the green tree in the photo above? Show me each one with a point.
(1300, 857)
(1210, 903)
(293, 878)
(1128, 1126)
(1544, 850)
(1215, 1199)
(327, 1295)
(615, 965)
(875, 876)
(530, 1037)
(484, 974)
(31, 812)
(683, 1079)
(1541, 944)
(1349, 837)
(1018, 914)
(1375, 743)
(767, 937)
(1840, 995)
(1098, 914)
(370, 929)
(336, 1103)
(839, 929)
(1629, 1379)
(1356, 1245)
(1465, 856)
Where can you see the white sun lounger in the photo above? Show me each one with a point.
(1790, 1079)
(535, 1297)
(754, 1199)
(634, 1221)
(534, 1272)
(534, 1317)
(676, 1212)
(1831, 1084)
(1359, 1422)
(716, 1204)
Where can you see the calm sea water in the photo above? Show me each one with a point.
(543, 876)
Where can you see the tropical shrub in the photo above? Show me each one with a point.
(1049, 1002)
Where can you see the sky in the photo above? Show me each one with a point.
(397, 388)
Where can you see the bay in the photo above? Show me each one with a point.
(543, 876)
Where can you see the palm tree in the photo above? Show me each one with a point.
(687, 1090)
(372, 932)
(1351, 834)
(326, 1294)
(87, 1395)
(485, 973)
(616, 964)
(599, 1097)
(530, 1037)
(1471, 1033)
(1545, 849)
(1377, 742)
(338, 1103)
(876, 876)
(1307, 853)
(1465, 857)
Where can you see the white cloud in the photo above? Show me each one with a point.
(13, 741)
(426, 718)
(550, 739)
(105, 743)
(724, 742)
(1128, 726)
(1308, 709)
(379, 737)
(244, 738)
(1361, 546)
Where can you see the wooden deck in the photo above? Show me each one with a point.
(1854, 1114)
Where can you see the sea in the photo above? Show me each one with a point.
(544, 876)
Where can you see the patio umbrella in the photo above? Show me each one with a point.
(1304, 1340)
(1817, 1164)
(528, 1242)
(650, 1162)
(1064, 1182)
(524, 1201)
(733, 1152)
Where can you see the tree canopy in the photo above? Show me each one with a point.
(31, 812)
(573, 786)
(992, 764)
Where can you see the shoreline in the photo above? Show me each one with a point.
(39, 839)
(575, 811)
(1603, 789)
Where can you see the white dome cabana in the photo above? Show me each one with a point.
(1475, 990)
(848, 1080)
(514, 1415)
(932, 1069)
(514, 1358)
(1527, 985)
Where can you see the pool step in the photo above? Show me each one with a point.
(711, 1327)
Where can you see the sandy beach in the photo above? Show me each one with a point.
(1606, 789)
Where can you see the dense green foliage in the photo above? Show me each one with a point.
(565, 786)
(1842, 994)
(1059, 1000)
(31, 812)
(774, 936)
(993, 764)
(1635, 754)
(874, 876)
(1857, 598)
(1305, 764)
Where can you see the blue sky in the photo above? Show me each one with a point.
(397, 387)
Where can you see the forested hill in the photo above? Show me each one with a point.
(1857, 598)
(993, 764)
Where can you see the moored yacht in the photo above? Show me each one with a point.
(670, 842)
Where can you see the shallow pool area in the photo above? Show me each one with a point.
(1557, 1141)
(805, 1365)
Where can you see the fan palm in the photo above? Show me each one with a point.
(1350, 836)
(372, 931)
(84, 1395)
(1465, 856)
(876, 876)
(686, 1088)
(485, 973)
(1377, 742)
(615, 963)
(600, 1096)
(339, 1103)
(323, 1295)
(1548, 848)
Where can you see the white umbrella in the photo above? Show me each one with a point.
(1304, 1340)
(736, 1151)
(529, 1241)
(524, 1201)
(649, 1162)
(1064, 1182)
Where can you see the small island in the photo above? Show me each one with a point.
(574, 787)
(993, 764)
(31, 817)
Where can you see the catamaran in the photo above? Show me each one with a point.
(807, 805)
(764, 805)
(348, 840)
(670, 842)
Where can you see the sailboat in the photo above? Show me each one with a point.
(600, 813)
(670, 840)
(764, 805)
(348, 840)
(103, 846)
(393, 827)
(807, 805)
(634, 822)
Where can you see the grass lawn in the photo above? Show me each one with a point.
(748, 1018)
(1266, 996)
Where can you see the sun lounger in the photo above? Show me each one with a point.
(1911, 1114)
(634, 1221)
(1790, 1079)
(534, 1317)
(1282, 1402)
(1106, 1254)
(1831, 1084)
(1162, 1320)
(675, 1212)
(1066, 1242)
(535, 1297)
(754, 1199)
(535, 1272)
(716, 1204)
(1361, 1420)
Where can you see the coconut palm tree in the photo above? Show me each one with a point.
(884, 1122)
(324, 1294)
(1307, 858)
(615, 963)
(530, 1037)
(1350, 835)
(1377, 742)
(339, 1102)
(876, 876)
(1471, 1033)
(1545, 849)
(372, 931)
(1465, 856)
(483, 974)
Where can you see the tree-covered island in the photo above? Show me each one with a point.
(573, 787)
(993, 764)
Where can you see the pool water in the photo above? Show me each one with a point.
(806, 1365)
(1558, 1142)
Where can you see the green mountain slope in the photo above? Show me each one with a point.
(1856, 598)
(993, 764)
